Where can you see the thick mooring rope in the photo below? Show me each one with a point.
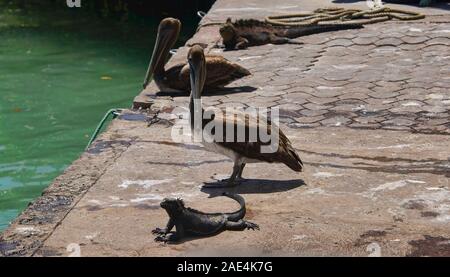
(336, 16)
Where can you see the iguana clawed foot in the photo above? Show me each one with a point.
(162, 235)
(159, 231)
(166, 238)
(251, 225)
(161, 239)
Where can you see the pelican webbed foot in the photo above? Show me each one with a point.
(225, 183)
(234, 180)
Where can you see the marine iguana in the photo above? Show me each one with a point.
(250, 32)
(192, 222)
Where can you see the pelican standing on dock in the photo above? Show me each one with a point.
(220, 71)
(240, 152)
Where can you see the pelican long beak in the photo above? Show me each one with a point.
(197, 68)
(168, 32)
(197, 74)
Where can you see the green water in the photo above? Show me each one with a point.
(59, 74)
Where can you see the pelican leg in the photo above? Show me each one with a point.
(241, 169)
(230, 182)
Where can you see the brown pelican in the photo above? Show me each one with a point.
(240, 152)
(220, 71)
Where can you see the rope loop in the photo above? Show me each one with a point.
(201, 14)
(114, 112)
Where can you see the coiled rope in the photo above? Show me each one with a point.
(334, 16)
(114, 112)
(337, 16)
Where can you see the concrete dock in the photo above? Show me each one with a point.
(368, 111)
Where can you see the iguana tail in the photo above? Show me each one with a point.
(239, 214)
(296, 32)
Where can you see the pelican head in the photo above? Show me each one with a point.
(197, 65)
(168, 32)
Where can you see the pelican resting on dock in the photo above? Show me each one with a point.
(176, 79)
(241, 152)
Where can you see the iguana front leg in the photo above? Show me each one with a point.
(164, 231)
(172, 237)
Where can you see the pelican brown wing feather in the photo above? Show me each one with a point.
(219, 72)
(178, 76)
(283, 153)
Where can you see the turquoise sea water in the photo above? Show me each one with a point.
(59, 74)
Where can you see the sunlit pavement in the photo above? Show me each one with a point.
(367, 110)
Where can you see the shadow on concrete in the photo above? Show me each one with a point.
(188, 146)
(196, 237)
(221, 91)
(230, 90)
(430, 166)
(430, 169)
(188, 164)
(375, 158)
(445, 5)
(249, 186)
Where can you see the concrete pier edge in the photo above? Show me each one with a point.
(394, 156)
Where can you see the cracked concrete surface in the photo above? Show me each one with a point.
(367, 110)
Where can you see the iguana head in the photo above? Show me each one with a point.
(227, 31)
(172, 205)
